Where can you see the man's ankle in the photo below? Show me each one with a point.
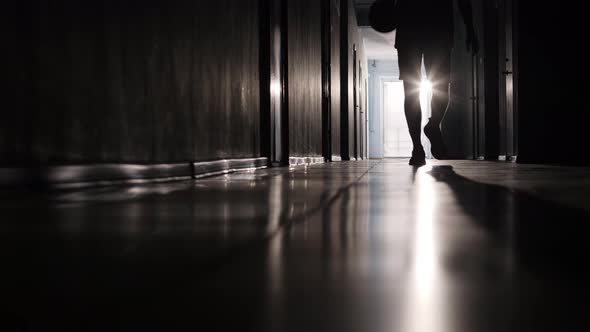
(433, 122)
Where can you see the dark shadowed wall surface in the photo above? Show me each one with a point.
(305, 78)
(491, 91)
(19, 31)
(133, 81)
(457, 126)
(553, 104)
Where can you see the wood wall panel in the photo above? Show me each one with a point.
(134, 81)
(305, 78)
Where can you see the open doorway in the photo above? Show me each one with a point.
(396, 138)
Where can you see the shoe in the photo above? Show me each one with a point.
(437, 144)
(418, 158)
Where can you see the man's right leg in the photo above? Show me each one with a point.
(437, 60)
(432, 130)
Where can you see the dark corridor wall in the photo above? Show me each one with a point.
(131, 81)
(305, 78)
(351, 40)
(458, 124)
(553, 72)
(157, 81)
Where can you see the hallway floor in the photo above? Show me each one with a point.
(353, 246)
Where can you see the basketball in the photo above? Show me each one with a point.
(382, 16)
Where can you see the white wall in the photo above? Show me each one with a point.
(396, 137)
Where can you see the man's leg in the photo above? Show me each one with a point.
(413, 112)
(437, 62)
(440, 102)
(410, 65)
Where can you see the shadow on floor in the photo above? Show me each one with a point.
(549, 239)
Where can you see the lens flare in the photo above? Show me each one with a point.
(425, 87)
(275, 88)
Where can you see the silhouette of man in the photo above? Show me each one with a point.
(425, 30)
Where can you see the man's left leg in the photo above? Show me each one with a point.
(438, 67)
(410, 62)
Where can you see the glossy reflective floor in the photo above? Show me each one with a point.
(352, 246)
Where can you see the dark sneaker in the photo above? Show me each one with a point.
(418, 157)
(437, 144)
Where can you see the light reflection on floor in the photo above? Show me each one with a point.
(424, 298)
(354, 246)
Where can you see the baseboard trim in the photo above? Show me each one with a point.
(79, 176)
(299, 161)
(508, 158)
(210, 168)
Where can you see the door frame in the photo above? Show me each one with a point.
(366, 87)
(491, 132)
(508, 81)
(499, 140)
(382, 81)
(355, 102)
(274, 125)
(361, 122)
(326, 79)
